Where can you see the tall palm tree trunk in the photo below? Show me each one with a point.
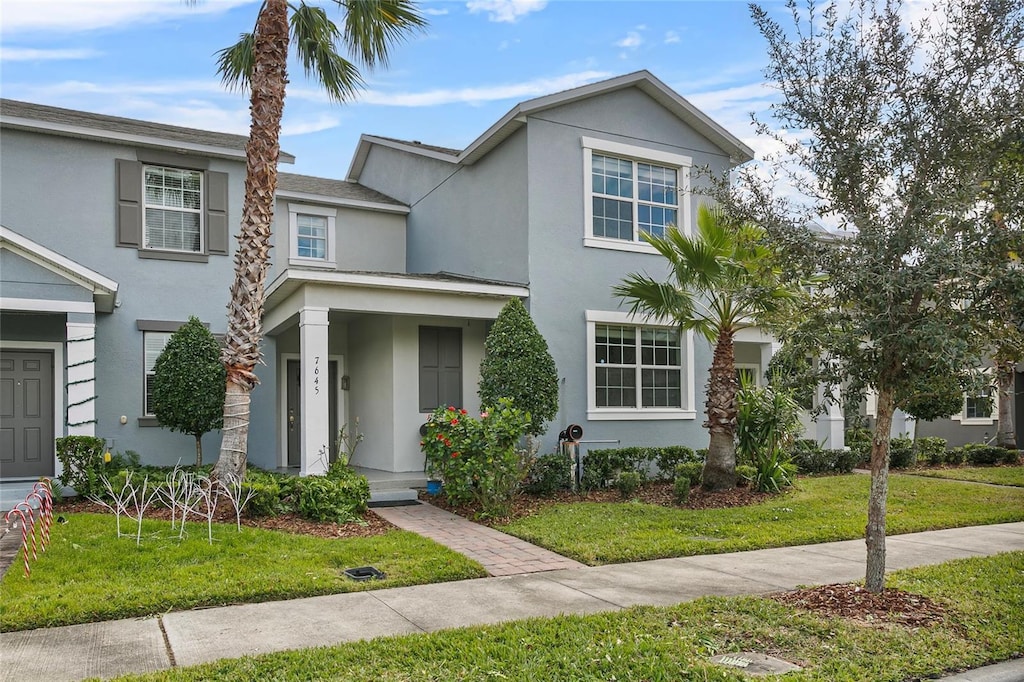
(874, 579)
(1006, 436)
(720, 467)
(245, 310)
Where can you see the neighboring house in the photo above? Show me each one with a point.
(382, 287)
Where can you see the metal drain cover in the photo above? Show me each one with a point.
(755, 664)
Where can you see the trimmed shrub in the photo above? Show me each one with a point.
(321, 498)
(955, 456)
(669, 456)
(901, 453)
(987, 455)
(628, 482)
(82, 460)
(1011, 457)
(857, 434)
(601, 468)
(548, 474)
(681, 488)
(932, 450)
(843, 460)
(691, 471)
(747, 472)
(810, 458)
(861, 452)
(266, 498)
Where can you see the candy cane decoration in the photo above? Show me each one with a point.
(24, 535)
(41, 509)
(31, 528)
(44, 493)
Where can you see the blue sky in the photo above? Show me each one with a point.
(153, 60)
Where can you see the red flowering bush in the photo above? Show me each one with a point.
(477, 458)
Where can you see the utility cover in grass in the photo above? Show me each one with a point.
(755, 664)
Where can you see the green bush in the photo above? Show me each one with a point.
(1011, 457)
(810, 458)
(689, 470)
(746, 472)
(681, 488)
(767, 421)
(857, 435)
(669, 456)
(861, 452)
(702, 454)
(266, 496)
(548, 473)
(932, 450)
(477, 459)
(82, 460)
(955, 456)
(601, 468)
(901, 453)
(628, 483)
(844, 460)
(332, 499)
(979, 454)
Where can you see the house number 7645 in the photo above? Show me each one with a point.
(316, 375)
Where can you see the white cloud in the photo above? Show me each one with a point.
(508, 11)
(74, 16)
(632, 41)
(434, 12)
(32, 54)
(290, 127)
(671, 37)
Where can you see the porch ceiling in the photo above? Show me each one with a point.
(385, 293)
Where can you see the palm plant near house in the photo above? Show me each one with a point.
(721, 280)
(259, 61)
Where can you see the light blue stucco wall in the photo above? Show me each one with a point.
(60, 193)
(21, 278)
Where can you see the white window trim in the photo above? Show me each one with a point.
(202, 211)
(294, 211)
(595, 413)
(979, 421)
(679, 162)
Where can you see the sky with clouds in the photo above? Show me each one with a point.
(154, 60)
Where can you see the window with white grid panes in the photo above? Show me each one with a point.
(312, 236)
(637, 367)
(153, 344)
(173, 209)
(631, 197)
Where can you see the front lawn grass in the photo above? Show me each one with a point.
(999, 475)
(820, 510)
(88, 574)
(982, 625)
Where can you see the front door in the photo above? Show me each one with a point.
(294, 409)
(26, 414)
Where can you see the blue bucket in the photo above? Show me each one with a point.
(434, 487)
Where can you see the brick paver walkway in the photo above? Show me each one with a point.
(499, 553)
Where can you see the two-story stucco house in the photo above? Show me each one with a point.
(382, 286)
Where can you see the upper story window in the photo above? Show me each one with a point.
(312, 230)
(171, 206)
(173, 209)
(631, 191)
(638, 371)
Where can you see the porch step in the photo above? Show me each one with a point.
(393, 497)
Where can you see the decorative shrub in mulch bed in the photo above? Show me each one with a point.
(891, 607)
(655, 493)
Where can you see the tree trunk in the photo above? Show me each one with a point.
(720, 467)
(245, 308)
(1006, 436)
(874, 579)
(199, 450)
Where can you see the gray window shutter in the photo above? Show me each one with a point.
(216, 213)
(440, 367)
(129, 203)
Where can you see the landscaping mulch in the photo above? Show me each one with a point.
(656, 493)
(890, 607)
(289, 523)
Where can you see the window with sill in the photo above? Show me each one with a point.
(637, 371)
(632, 191)
(153, 344)
(981, 408)
(171, 206)
(312, 230)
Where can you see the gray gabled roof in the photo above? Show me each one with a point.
(342, 192)
(515, 119)
(87, 125)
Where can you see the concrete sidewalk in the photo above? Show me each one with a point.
(198, 636)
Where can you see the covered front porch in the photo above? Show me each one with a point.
(373, 354)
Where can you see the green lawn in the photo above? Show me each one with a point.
(88, 574)
(986, 608)
(1001, 475)
(821, 510)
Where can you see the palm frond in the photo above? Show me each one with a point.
(235, 63)
(316, 38)
(372, 26)
(648, 296)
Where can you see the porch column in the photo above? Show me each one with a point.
(902, 425)
(81, 379)
(830, 422)
(314, 390)
(768, 351)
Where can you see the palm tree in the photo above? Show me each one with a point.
(722, 280)
(259, 61)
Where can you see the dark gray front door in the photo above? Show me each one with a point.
(26, 414)
(294, 407)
